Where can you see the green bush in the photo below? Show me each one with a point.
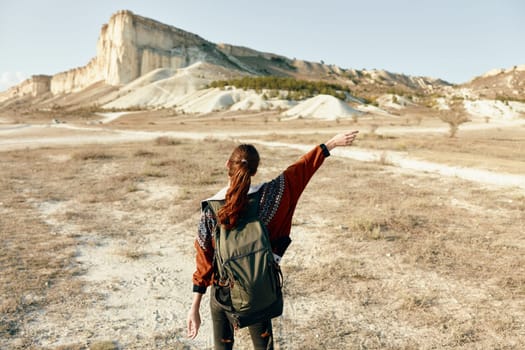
(297, 89)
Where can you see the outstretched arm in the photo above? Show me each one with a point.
(281, 195)
(343, 139)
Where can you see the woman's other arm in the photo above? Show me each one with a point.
(194, 317)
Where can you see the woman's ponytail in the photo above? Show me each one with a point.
(242, 165)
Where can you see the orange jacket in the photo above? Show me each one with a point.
(276, 208)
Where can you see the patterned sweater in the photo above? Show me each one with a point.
(276, 208)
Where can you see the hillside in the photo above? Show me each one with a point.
(503, 84)
(130, 47)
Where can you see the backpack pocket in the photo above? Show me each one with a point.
(255, 281)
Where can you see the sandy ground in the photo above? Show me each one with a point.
(143, 297)
(150, 295)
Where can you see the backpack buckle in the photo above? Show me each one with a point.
(224, 282)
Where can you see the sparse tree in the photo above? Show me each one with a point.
(454, 116)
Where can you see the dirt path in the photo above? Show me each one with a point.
(145, 286)
(104, 135)
(472, 126)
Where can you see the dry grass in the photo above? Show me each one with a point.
(380, 259)
(132, 253)
(92, 155)
(97, 345)
(497, 149)
(39, 247)
(496, 144)
(36, 270)
(166, 141)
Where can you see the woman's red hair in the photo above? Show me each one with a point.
(242, 165)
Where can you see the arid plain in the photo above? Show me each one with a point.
(99, 214)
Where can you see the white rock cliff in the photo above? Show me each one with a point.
(128, 47)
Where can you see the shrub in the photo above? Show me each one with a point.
(454, 117)
(92, 155)
(104, 345)
(297, 89)
(144, 153)
(167, 141)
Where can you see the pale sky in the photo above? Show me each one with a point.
(454, 40)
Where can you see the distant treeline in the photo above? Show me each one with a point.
(296, 89)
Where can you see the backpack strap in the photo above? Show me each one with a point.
(215, 206)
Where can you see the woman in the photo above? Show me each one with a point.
(278, 200)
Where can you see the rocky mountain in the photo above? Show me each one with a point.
(143, 63)
(502, 84)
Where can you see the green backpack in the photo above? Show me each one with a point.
(249, 280)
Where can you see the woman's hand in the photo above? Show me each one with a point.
(343, 139)
(194, 316)
(194, 323)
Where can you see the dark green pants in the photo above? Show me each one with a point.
(223, 332)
